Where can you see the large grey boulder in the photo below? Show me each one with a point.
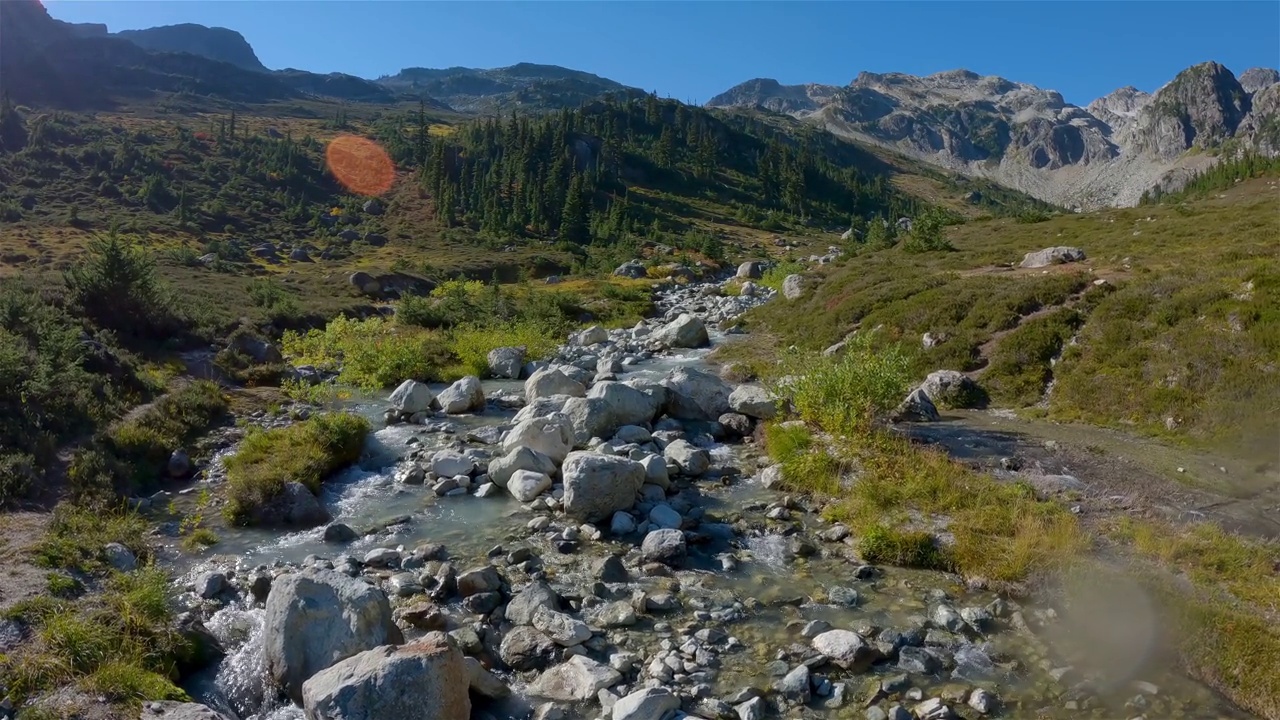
(588, 417)
(521, 458)
(750, 270)
(686, 331)
(561, 628)
(666, 546)
(393, 682)
(696, 395)
(525, 485)
(465, 395)
(753, 401)
(318, 618)
(551, 436)
(577, 679)
(590, 336)
(846, 649)
(950, 388)
(916, 407)
(793, 286)
(631, 402)
(1052, 256)
(411, 397)
(596, 486)
(506, 362)
(551, 381)
(646, 704)
(692, 461)
(523, 605)
(633, 269)
(524, 648)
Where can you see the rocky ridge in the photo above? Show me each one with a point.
(1029, 138)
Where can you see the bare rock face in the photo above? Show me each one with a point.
(1030, 138)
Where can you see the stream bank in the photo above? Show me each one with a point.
(704, 592)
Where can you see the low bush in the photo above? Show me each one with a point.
(371, 354)
(1021, 365)
(306, 452)
(774, 276)
(843, 394)
(76, 537)
(145, 440)
(471, 344)
(905, 548)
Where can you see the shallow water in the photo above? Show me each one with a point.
(774, 591)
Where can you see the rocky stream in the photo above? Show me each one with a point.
(595, 536)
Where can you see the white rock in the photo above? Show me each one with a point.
(411, 397)
(696, 395)
(577, 679)
(506, 362)
(392, 682)
(686, 331)
(525, 485)
(521, 458)
(465, 395)
(596, 486)
(646, 704)
(551, 381)
(753, 401)
(691, 460)
(793, 287)
(561, 628)
(551, 436)
(449, 463)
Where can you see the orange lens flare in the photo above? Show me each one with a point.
(360, 164)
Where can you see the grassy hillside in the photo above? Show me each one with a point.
(1169, 327)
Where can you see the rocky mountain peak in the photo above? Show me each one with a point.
(1255, 79)
(1119, 107)
(215, 43)
(1202, 106)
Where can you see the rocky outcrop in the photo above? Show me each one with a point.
(318, 618)
(1052, 256)
(1030, 138)
(393, 682)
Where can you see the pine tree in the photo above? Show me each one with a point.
(573, 220)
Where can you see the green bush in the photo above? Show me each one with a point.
(77, 535)
(306, 452)
(1021, 365)
(371, 354)
(472, 344)
(845, 392)
(882, 545)
(144, 441)
(774, 276)
(116, 287)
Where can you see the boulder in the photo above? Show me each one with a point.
(916, 407)
(750, 270)
(753, 401)
(577, 679)
(551, 381)
(363, 282)
(169, 710)
(846, 649)
(393, 682)
(696, 395)
(646, 704)
(630, 404)
(950, 388)
(506, 362)
(551, 436)
(588, 417)
(179, 464)
(692, 461)
(633, 269)
(521, 458)
(666, 546)
(562, 629)
(525, 485)
(318, 618)
(479, 580)
(255, 348)
(296, 505)
(523, 605)
(596, 486)
(484, 683)
(793, 287)
(465, 395)
(120, 557)
(411, 397)
(1052, 256)
(524, 648)
(591, 336)
(451, 463)
(686, 331)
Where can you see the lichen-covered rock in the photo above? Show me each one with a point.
(393, 682)
(596, 486)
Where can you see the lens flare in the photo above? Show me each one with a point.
(360, 164)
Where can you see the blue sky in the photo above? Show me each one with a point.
(693, 50)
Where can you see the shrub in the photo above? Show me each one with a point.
(306, 452)
(371, 354)
(145, 441)
(17, 476)
(116, 286)
(472, 344)
(843, 393)
(905, 548)
(1021, 365)
(77, 534)
(774, 276)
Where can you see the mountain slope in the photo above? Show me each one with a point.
(1031, 139)
(521, 86)
(215, 43)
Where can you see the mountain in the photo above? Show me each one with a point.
(1031, 139)
(215, 43)
(521, 86)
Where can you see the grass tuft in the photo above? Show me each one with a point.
(306, 452)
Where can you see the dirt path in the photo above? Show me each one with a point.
(1107, 473)
(19, 577)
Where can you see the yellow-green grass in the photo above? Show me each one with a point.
(306, 452)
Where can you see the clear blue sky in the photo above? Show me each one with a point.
(693, 50)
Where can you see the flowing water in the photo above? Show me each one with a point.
(765, 599)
